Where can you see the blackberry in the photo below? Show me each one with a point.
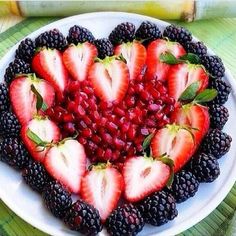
(213, 65)
(36, 176)
(216, 143)
(18, 66)
(205, 167)
(4, 98)
(9, 125)
(104, 47)
(148, 32)
(57, 199)
(219, 115)
(83, 218)
(177, 34)
(78, 34)
(13, 152)
(125, 220)
(26, 50)
(158, 208)
(122, 33)
(197, 48)
(223, 89)
(51, 39)
(184, 186)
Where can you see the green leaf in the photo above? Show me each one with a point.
(34, 137)
(206, 96)
(170, 163)
(40, 103)
(190, 92)
(169, 58)
(147, 141)
(191, 57)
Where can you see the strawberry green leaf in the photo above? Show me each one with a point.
(40, 103)
(34, 137)
(147, 141)
(170, 163)
(169, 58)
(206, 96)
(191, 57)
(190, 92)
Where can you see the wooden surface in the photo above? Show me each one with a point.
(8, 21)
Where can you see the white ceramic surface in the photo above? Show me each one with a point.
(28, 204)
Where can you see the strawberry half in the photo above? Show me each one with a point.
(174, 141)
(110, 79)
(156, 68)
(45, 129)
(135, 55)
(181, 76)
(78, 59)
(102, 187)
(66, 162)
(143, 176)
(23, 100)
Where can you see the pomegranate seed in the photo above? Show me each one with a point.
(139, 88)
(96, 139)
(154, 107)
(82, 124)
(71, 107)
(111, 127)
(69, 127)
(115, 155)
(119, 111)
(131, 132)
(100, 152)
(125, 127)
(88, 90)
(130, 101)
(92, 146)
(84, 104)
(50, 112)
(150, 123)
(87, 120)
(105, 105)
(108, 154)
(73, 87)
(144, 131)
(119, 144)
(82, 140)
(159, 115)
(84, 96)
(87, 133)
(80, 110)
(107, 138)
(68, 118)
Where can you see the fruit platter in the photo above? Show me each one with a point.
(116, 130)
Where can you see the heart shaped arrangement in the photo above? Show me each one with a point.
(129, 124)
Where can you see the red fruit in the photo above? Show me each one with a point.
(110, 79)
(23, 100)
(46, 130)
(102, 188)
(182, 75)
(135, 55)
(48, 64)
(78, 59)
(143, 176)
(175, 142)
(66, 162)
(156, 68)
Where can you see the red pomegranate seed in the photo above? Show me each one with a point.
(139, 88)
(111, 127)
(50, 112)
(95, 116)
(83, 95)
(150, 123)
(119, 144)
(144, 95)
(80, 110)
(88, 90)
(130, 101)
(119, 111)
(105, 105)
(115, 155)
(107, 154)
(68, 117)
(69, 127)
(131, 132)
(87, 133)
(82, 124)
(82, 140)
(125, 127)
(73, 87)
(100, 152)
(87, 120)
(159, 115)
(92, 146)
(71, 107)
(139, 148)
(84, 104)
(154, 107)
(107, 138)
(96, 139)
(144, 131)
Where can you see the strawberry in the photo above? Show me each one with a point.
(66, 162)
(102, 187)
(143, 176)
(174, 141)
(78, 59)
(48, 64)
(135, 55)
(24, 100)
(110, 79)
(181, 76)
(45, 129)
(156, 68)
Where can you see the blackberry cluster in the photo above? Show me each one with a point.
(18, 66)
(123, 33)
(219, 115)
(177, 34)
(78, 34)
(216, 142)
(36, 176)
(57, 199)
(9, 125)
(83, 218)
(104, 47)
(197, 48)
(148, 32)
(4, 98)
(26, 50)
(205, 167)
(125, 220)
(184, 186)
(158, 208)
(13, 152)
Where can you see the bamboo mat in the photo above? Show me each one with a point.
(220, 35)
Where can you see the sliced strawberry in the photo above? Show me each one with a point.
(174, 141)
(66, 162)
(195, 116)
(135, 55)
(110, 79)
(48, 64)
(156, 68)
(23, 100)
(143, 176)
(78, 59)
(46, 130)
(102, 187)
(182, 75)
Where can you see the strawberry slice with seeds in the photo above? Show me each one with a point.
(110, 79)
(102, 187)
(156, 68)
(78, 59)
(135, 55)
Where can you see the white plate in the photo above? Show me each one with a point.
(28, 204)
